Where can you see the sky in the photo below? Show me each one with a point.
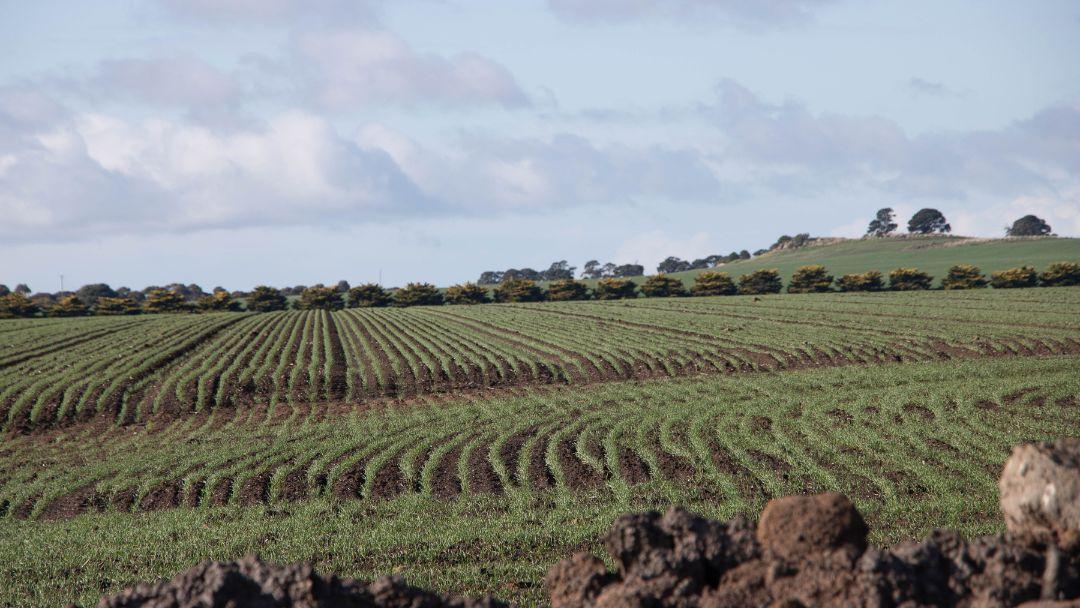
(285, 142)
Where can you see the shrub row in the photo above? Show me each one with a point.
(807, 279)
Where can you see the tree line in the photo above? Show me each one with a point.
(99, 298)
(807, 279)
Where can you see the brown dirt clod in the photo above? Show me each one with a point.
(251, 583)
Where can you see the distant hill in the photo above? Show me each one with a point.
(933, 254)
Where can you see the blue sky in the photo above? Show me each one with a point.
(236, 142)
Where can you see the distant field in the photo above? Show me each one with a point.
(469, 447)
(58, 371)
(475, 495)
(931, 254)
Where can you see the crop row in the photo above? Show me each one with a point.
(884, 435)
(136, 369)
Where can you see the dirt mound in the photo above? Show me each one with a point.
(812, 551)
(251, 583)
(807, 551)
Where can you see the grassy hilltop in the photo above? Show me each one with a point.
(934, 254)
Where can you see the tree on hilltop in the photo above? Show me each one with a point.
(1029, 225)
(928, 221)
(882, 224)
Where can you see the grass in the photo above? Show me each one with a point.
(916, 445)
(934, 255)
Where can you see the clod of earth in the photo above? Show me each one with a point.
(251, 583)
(812, 551)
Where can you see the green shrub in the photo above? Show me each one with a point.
(1061, 274)
(165, 301)
(116, 306)
(964, 276)
(15, 304)
(765, 280)
(909, 279)
(220, 301)
(567, 289)
(418, 294)
(518, 290)
(266, 299)
(810, 279)
(615, 289)
(713, 283)
(1014, 278)
(69, 306)
(320, 298)
(662, 286)
(863, 281)
(368, 295)
(466, 293)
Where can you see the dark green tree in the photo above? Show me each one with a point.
(164, 301)
(1060, 274)
(928, 221)
(810, 279)
(466, 293)
(320, 298)
(662, 286)
(566, 290)
(1029, 225)
(764, 280)
(615, 289)
(964, 276)
(368, 295)
(23, 289)
(220, 301)
(4, 290)
(592, 270)
(418, 294)
(713, 283)
(909, 279)
(16, 304)
(266, 299)
(69, 306)
(117, 306)
(518, 290)
(672, 264)
(89, 294)
(870, 280)
(1014, 278)
(882, 224)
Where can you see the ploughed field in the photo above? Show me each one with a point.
(54, 372)
(469, 448)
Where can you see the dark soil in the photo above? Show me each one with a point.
(805, 551)
(251, 583)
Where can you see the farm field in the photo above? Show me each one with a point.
(475, 495)
(469, 448)
(55, 372)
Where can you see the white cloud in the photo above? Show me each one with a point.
(345, 68)
(273, 11)
(743, 13)
(167, 81)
